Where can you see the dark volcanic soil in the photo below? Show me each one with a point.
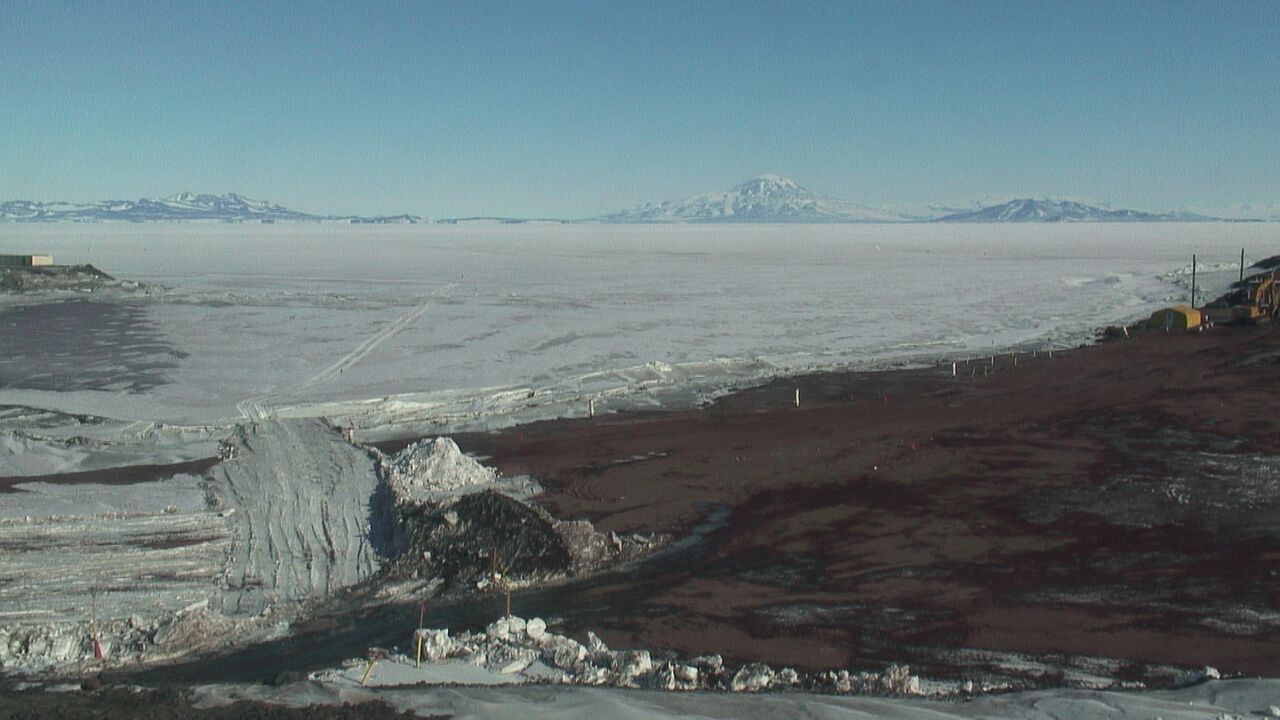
(1121, 501)
(1117, 501)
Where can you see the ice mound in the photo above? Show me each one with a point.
(429, 469)
(512, 649)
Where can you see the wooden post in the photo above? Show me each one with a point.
(1193, 280)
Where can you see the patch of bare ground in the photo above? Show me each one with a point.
(1113, 501)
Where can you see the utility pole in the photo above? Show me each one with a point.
(1193, 280)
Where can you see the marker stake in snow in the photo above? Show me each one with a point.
(953, 369)
(591, 408)
(797, 397)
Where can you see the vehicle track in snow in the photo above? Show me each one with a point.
(255, 408)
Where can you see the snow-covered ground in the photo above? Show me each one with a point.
(472, 318)
(1217, 700)
(247, 334)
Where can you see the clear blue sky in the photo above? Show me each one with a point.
(572, 109)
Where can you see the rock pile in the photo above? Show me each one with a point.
(513, 645)
(446, 516)
(54, 647)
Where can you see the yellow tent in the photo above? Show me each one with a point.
(1178, 317)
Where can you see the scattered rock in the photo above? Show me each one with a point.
(512, 645)
(755, 677)
(93, 683)
(436, 644)
(629, 666)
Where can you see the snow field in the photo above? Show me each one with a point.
(298, 314)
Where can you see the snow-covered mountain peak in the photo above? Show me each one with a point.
(766, 198)
(770, 186)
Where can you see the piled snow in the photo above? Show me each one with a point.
(430, 467)
(512, 649)
(436, 470)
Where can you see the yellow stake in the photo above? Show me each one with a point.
(366, 672)
(418, 662)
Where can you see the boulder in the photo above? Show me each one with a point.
(436, 644)
(536, 629)
(754, 677)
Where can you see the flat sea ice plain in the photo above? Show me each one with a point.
(464, 318)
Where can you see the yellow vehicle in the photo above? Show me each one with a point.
(1261, 299)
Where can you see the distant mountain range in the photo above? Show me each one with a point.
(1048, 210)
(181, 207)
(764, 199)
(768, 198)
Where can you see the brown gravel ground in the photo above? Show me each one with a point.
(1120, 500)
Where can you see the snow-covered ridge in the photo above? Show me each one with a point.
(767, 198)
(1056, 210)
(184, 206)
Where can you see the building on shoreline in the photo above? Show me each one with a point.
(25, 260)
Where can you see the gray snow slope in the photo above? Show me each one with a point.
(301, 526)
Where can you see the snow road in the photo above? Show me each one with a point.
(301, 527)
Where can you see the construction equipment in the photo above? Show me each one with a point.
(1261, 299)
